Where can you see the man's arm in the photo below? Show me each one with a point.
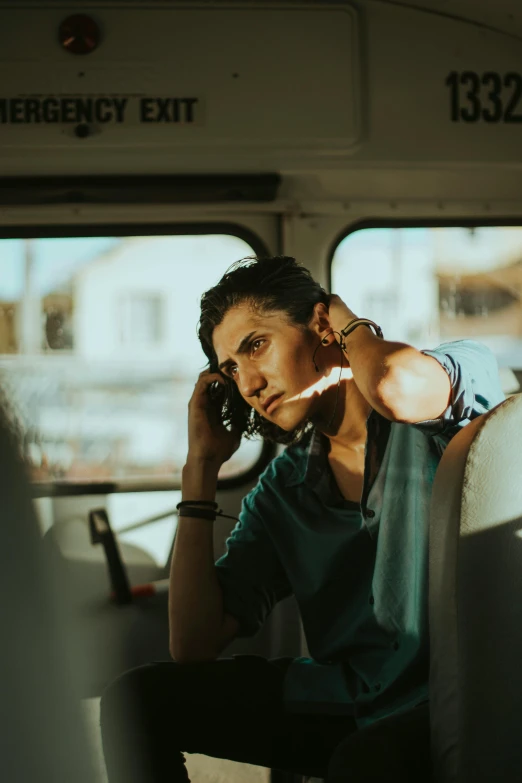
(198, 625)
(212, 602)
(397, 380)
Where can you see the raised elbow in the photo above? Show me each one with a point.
(403, 397)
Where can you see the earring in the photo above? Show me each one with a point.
(324, 341)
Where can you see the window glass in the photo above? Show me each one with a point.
(99, 351)
(127, 509)
(425, 286)
(141, 319)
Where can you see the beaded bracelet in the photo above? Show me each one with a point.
(200, 513)
(188, 508)
(211, 503)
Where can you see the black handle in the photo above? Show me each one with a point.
(101, 533)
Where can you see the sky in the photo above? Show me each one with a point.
(55, 261)
(457, 249)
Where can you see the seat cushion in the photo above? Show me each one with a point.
(476, 602)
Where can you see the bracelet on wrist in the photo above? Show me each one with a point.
(192, 508)
(199, 513)
(361, 322)
(209, 503)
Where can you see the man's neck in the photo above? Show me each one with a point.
(347, 431)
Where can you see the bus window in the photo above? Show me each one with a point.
(99, 353)
(426, 286)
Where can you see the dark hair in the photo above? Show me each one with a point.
(278, 283)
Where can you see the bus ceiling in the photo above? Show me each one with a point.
(85, 94)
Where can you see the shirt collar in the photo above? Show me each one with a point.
(312, 446)
(312, 470)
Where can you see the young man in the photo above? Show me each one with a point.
(339, 519)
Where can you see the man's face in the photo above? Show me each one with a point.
(270, 360)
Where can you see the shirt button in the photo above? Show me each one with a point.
(370, 513)
(372, 599)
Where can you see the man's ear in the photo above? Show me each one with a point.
(320, 321)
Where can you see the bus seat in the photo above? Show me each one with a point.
(475, 598)
(42, 736)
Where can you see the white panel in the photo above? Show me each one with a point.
(260, 80)
(410, 114)
(280, 87)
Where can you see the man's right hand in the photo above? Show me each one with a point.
(209, 440)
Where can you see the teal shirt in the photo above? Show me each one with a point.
(359, 573)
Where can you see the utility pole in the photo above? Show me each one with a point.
(30, 326)
(400, 286)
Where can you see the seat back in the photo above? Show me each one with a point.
(42, 734)
(475, 600)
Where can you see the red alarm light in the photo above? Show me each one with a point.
(79, 34)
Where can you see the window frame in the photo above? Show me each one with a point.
(59, 231)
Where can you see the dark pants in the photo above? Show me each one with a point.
(233, 708)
